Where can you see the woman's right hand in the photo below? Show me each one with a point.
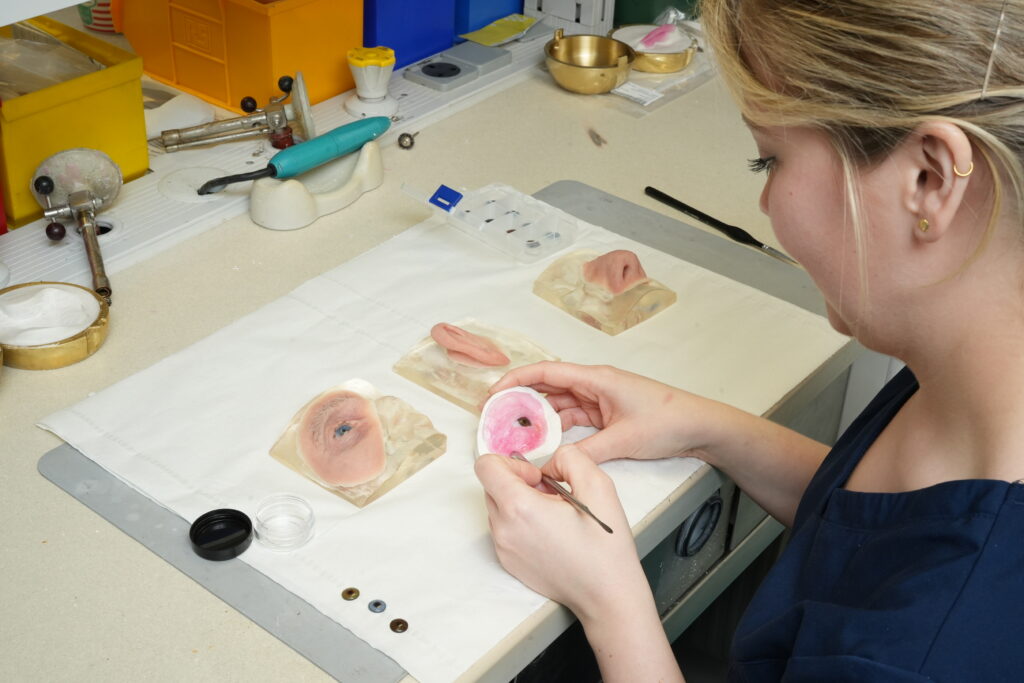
(561, 553)
(638, 417)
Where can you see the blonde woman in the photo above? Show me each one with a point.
(892, 136)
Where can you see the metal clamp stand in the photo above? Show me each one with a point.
(272, 121)
(82, 181)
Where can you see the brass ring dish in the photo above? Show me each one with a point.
(653, 61)
(63, 352)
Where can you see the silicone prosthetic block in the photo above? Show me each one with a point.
(357, 443)
(465, 384)
(583, 289)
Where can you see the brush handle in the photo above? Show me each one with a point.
(731, 231)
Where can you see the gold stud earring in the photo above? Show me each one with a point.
(922, 225)
(963, 175)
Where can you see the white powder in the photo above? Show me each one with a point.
(43, 314)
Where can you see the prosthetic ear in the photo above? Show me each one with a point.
(939, 155)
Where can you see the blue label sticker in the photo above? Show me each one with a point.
(446, 198)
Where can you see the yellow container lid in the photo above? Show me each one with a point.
(371, 56)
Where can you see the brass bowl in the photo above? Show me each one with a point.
(665, 63)
(65, 351)
(588, 64)
(660, 62)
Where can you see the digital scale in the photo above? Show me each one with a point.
(457, 66)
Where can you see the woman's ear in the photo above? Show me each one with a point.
(940, 163)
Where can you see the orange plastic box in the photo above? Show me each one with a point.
(102, 110)
(224, 50)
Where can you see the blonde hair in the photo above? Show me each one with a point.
(868, 72)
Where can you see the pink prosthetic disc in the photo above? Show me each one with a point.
(518, 420)
(341, 440)
(616, 271)
(467, 348)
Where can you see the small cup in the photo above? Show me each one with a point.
(284, 522)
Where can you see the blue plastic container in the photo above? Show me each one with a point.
(473, 14)
(413, 29)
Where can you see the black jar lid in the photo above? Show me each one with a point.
(221, 534)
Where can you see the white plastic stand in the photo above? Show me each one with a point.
(297, 202)
(385, 106)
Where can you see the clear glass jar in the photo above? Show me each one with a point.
(284, 522)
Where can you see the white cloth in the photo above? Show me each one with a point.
(193, 431)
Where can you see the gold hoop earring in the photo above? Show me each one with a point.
(963, 175)
(922, 225)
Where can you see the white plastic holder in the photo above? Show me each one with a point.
(362, 108)
(371, 97)
(297, 202)
(501, 216)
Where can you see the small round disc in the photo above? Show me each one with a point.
(302, 111)
(78, 169)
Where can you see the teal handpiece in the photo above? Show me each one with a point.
(305, 156)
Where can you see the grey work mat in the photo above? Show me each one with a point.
(292, 620)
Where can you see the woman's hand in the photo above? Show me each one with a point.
(643, 419)
(565, 555)
(638, 417)
(547, 543)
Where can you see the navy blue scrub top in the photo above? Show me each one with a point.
(925, 585)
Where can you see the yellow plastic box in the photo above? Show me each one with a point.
(102, 110)
(224, 50)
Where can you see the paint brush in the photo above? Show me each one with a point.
(564, 493)
(733, 232)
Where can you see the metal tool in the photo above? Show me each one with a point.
(564, 493)
(76, 184)
(731, 231)
(273, 120)
(305, 156)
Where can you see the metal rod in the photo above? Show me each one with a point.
(205, 130)
(216, 139)
(87, 228)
